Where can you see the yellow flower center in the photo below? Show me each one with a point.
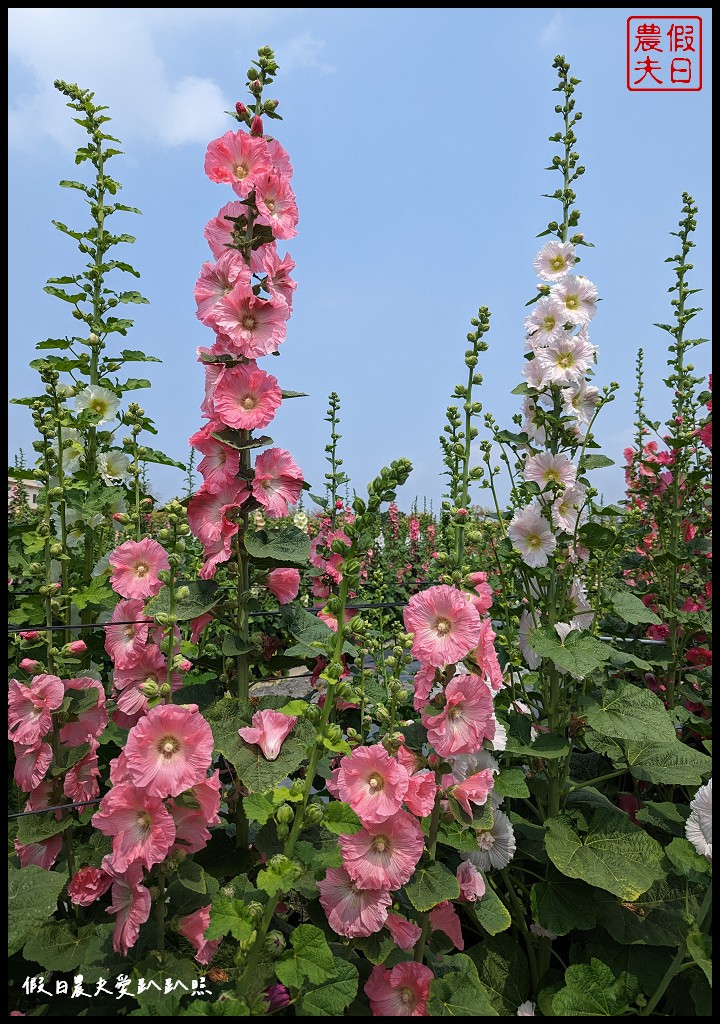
(380, 844)
(98, 405)
(129, 632)
(566, 361)
(142, 569)
(249, 322)
(376, 782)
(240, 171)
(144, 822)
(407, 996)
(572, 301)
(249, 402)
(443, 626)
(168, 747)
(557, 262)
(549, 322)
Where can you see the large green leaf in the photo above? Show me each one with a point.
(32, 899)
(672, 763)
(614, 854)
(432, 885)
(251, 765)
(655, 918)
(460, 993)
(33, 828)
(59, 946)
(579, 654)
(503, 970)
(287, 545)
(643, 966)
(341, 819)
(309, 956)
(686, 861)
(203, 595)
(331, 997)
(561, 905)
(511, 782)
(591, 990)
(699, 947)
(628, 712)
(631, 609)
(491, 913)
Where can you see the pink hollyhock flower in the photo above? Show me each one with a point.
(445, 626)
(198, 625)
(423, 683)
(279, 158)
(699, 656)
(212, 373)
(142, 828)
(278, 280)
(217, 280)
(118, 769)
(486, 659)
(218, 551)
(223, 231)
(28, 634)
(575, 299)
(77, 647)
(30, 708)
(92, 721)
(401, 992)
(547, 470)
(255, 326)
(277, 997)
(131, 901)
(420, 795)
(88, 885)
(474, 789)
(278, 481)
(207, 796)
(208, 510)
(81, 781)
(531, 535)
(284, 584)
(126, 642)
(43, 854)
(246, 397)
(29, 665)
(569, 508)
(465, 721)
(238, 159)
(169, 750)
(410, 761)
(191, 833)
(276, 205)
(31, 764)
(42, 797)
(444, 918)
(384, 855)
(403, 932)
(483, 601)
(350, 910)
(472, 883)
(150, 667)
(269, 730)
(221, 462)
(136, 565)
(705, 434)
(193, 927)
(373, 783)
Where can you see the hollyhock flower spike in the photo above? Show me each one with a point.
(401, 992)
(352, 911)
(269, 730)
(373, 783)
(445, 626)
(169, 750)
(135, 566)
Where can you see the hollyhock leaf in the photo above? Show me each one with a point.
(158, 1004)
(596, 537)
(560, 905)
(229, 1007)
(33, 828)
(133, 355)
(503, 970)
(432, 885)
(665, 816)
(490, 913)
(234, 645)
(546, 745)
(235, 439)
(377, 948)
(152, 454)
(294, 394)
(596, 461)
(287, 546)
(458, 837)
(511, 782)
(32, 898)
(297, 708)
(699, 947)
(687, 862)
(579, 655)
(132, 297)
(192, 877)
(656, 918)
(459, 994)
(57, 946)
(628, 712)
(253, 768)
(614, 854)
(621, 659)
(507, 437)
(279, 879)
(341, 819)
(226, 918)
(310, 957)
(701, 995)
(644, 966)
(321, 854)
(591, 990)
(631, 609)
(309, 629)
(258, 808)
(667, 763)
(203, 595)
(332, 997)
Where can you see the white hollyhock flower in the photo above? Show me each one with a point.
(566, 510)
(581, 401)
(113, 466)
(531, 535)
(544, 325)
(698, 827)
(554, 260)
(545, 469)
(566, 361)
(574, 299)
(99, 400)
(583, 614)
(497, 845)
(73, 450)
(526, 1009)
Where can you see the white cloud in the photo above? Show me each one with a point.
(301, 53)
(552, 31)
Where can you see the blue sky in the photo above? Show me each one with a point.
(418, 140)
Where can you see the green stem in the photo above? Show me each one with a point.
(160, 913)
(432, 845)
(677, 964)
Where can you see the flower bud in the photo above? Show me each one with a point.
(165, 690)
(285, 815)
(247, 944)
(254, 912)
(76, 647)
(149, 688)
(256, 127)
(314, 814)
(274, 942)
(241, 110)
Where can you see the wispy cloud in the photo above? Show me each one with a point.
(301, 53)
(552, 31)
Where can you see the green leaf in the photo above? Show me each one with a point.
(656, 918)
(251, 765)
(665, 816)
(664, 763)
(511, 782)
(629, 712)
(285, 546)
(460, 994)
(545, 745)
(294, 394)
(699, 947)
(234, 645)
(57, 946)
(597, 537)
(561, 905)
(491, 913)
(160, 458)
(580, 654)
(204, 595)
(591, 990)
(596, 461)
(309, 629)
(614, 854)
(644, 966)
(33, 828)
(258, 808)
(226, 911)
(503, 970)
(432, 885)
(32, 898)
(331, 997)
(310, 957)
(132, 297)
(630, 609)
(341, 819)
(686, 861)
(134, 355)
(377, 947)
(137, 384)
(278, 879)
(235, 439)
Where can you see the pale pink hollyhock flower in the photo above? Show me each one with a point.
(208, 510)
(445, 626)
(81, 781)
(277, 207)
(403, 932)
(554, 260)
(698, 827)
(384, 855)
(131, 901)
(531, 535)
(90, 722)
(568, 509)
(373, 783)
(401, 992)
(212, 373)
(207, 796)
(151, 666)
(420, 795)
(256, 327)
(198, 625)
(582, 612)
(246, 397)
(580, 400)
(278, 481)
(169, 750)
(566, 361)
(465, 721)
(497, 845)
(221, 462)
(278, 280)
(88, 885)
(350, 910)
(526, 627)
(42, 797)
(423, 683)
(575, 299)
(237, 159)
(191, 832)
(222, 230)
(29, 665)
(407, 759)
(118, 769)
(279, 158)
(483, 601)
(217, 280)
(444, 918)
(577, 553)
(77, 647)
(474, 789)
(30, 707)
(28, 634)
(486, 659)
(548, 470)
(31, 764)
(136, 565)
(284, 584)
(526, 1009)
(143, 831)
(472, 883)
(217, 551)
(43, 854)
(193, 927)
(269, 730)
(544, 325)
